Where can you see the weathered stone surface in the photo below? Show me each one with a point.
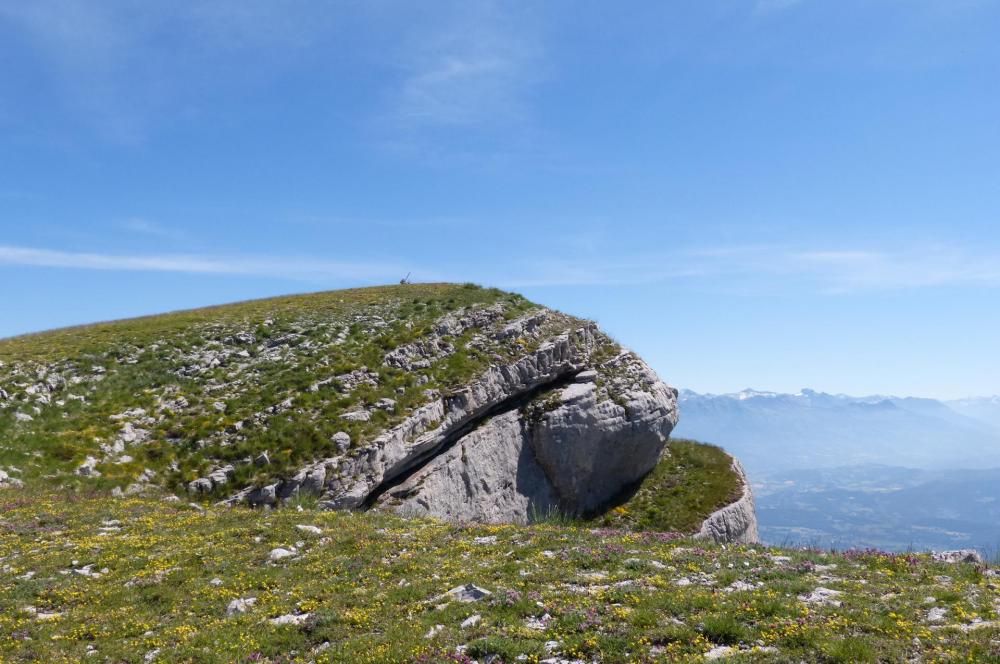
(593, 447)
(573, 459)
(490, 475)
(241, 605)
(7, 481)
(736, 522)
(218, 477)
(467, 593)
(413, 442)
(342, 441)
(291, 619)
(822, 596)
(88, 468)
(958, 556)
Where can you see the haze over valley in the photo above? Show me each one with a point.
(853, 472)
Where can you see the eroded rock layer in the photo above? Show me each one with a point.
(563, 428)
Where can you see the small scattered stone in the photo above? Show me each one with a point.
(280, 554)
(740, 586)
(291, 619)
(718, 652)
(88, 468)
(822, 596)
(467, 593)
(958, 556)
(240, 606)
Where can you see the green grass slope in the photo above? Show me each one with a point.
(691, 481)
(92, 578)
(210, 386)
(168, 398)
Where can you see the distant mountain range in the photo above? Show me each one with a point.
(771, 431)
(842, 471)
(984, 409)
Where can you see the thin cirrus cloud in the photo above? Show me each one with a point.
(762, 268)
(288, 268)
(749, 268)
(860, 270)
(467, 64)
(854, 270)
(474, 68)
(111, 65)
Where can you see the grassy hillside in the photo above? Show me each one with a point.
(181, 393)
(161, 401)
(90, 578)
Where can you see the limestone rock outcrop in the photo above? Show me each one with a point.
(563, 429)
(736, 522)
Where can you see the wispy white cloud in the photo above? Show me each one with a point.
(849, 271)
(125, 68)
(748, 269)
(119, 66)
(756, 268)
(303, 268)
(473, 68)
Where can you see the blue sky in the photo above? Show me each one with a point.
(766, 193)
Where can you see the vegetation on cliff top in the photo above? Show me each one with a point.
(182, 393)
(263, 386)
(691, 481)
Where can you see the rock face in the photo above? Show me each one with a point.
(736, 522)
(572, 458)
(562, 429)
(570, 454)
(490, 475)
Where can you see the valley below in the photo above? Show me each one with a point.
(884, 507)
(835, 471)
